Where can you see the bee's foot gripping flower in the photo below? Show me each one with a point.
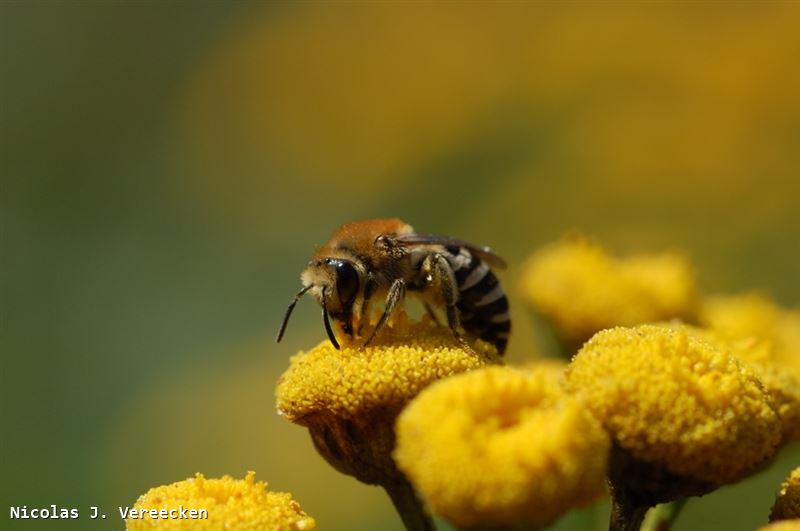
(501, 447)
(685, 415)
(231, 504)
(349, 398)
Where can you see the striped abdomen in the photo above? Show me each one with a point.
(482, 303)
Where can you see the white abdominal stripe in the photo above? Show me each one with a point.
(482, 304)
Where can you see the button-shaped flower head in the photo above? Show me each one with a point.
(582, 289)
(754, 315)
(685, 415)
(501, 446)
(768, 338)
(782, 525)
(349, 398)
(231, 504)
(787, 503)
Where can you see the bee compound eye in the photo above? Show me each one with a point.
(346, 281)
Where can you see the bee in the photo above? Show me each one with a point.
(385, 259)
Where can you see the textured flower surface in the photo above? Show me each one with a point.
(349, 398)
(500, 446)
(753, 315)
(783, 386)
(673, 397)
(767, 337)
(235, 505)
(582, 289)
(404, 359)
(787, 504)
(552, 368)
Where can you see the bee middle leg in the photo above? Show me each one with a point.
(397, 292)
(364, 308)
(442, 276)
(431, 313)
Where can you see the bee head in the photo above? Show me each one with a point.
(337, 282)
(334, 282)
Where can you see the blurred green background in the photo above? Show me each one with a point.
(167, 168)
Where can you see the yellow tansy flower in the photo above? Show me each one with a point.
(674, 397)
(500, 446)
(767, 337)
(229, 504)
(404, 359)
(349, 398)
(783, 386)
(554, 368)
(787, 504)
(581, 289)
(752, 315)
(783, 525)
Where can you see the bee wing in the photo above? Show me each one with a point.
(484, 253)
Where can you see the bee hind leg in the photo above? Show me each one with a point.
(397, 292)
(441, 275)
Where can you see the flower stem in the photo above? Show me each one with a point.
(409, 507)
(663, 516)
(625, 516)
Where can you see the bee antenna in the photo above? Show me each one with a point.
(289, 312)
(327, 322)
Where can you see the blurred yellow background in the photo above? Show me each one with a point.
(168, 168)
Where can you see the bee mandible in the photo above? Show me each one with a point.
(385, 259)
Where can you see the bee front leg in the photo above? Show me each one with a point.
(397, 292)
(441, 276)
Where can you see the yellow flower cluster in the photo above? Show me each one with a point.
(673, 397)
(665, 411)
(231, 504)
(768, 338)
(501, 446)
(349, 398)
(582, 289)
(404, 359)
(787, 504)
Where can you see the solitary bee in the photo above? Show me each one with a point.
(385, 258)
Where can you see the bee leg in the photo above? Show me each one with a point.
(364, 311)
(347, 324)
(441, 275)
(431, 313)
(326, 321)
(396, 293)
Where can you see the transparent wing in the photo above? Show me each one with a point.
(484, 253)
